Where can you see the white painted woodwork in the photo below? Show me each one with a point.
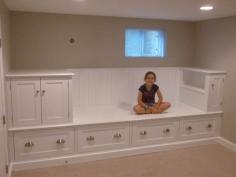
(112, 125)
(193, 97)
(118, 87)
(26, 101)
(198, 128)
(215, 93)
(154, 132)
(36, 73)
(115, 136)
(3, 128)
(118, 153)
(202, 89)
(44, 143)
(103, 137)
(33, 101)
(55, 100)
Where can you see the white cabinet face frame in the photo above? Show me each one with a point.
(55, 100)
(26, 101)
(215, 93)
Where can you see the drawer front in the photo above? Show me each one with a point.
(103, 137)
(198, 128)
(153, 132)
(44, 143)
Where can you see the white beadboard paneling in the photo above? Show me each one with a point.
(83, 88)
(193, 98)
(119, 86)
(100, 87)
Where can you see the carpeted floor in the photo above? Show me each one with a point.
(202, 161)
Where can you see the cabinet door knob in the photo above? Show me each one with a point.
(29, 144)
(189, 128)
(37, 92)
(212, 86)
(143, 132)
(209, 126)
(166, 130)
(61, 141)
(43, 92)
(90, 138)
(117, 135)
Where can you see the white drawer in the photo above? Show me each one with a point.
(43, 143)
(198, 128)
(103, 137)
(154, 132)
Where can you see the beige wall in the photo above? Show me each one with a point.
(5, 28)
(40, 41)
(216, 48)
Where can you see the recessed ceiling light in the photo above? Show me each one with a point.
(206, 8)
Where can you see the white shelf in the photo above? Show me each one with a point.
(42, 73)
(207, 71)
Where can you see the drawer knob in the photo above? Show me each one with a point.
(117, 135)
(143, 133)
(189, 128)
(43, 92)
(61, 141)
(90, 138)
(167, 130)
(29, 144)
(209, 126)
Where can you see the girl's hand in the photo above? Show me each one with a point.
(151, 109)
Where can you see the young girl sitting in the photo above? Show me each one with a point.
(146, 97)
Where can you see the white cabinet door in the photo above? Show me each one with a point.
(26, 105)
(215, 97)
(55, 100)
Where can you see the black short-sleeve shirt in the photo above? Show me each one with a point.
(148, 96)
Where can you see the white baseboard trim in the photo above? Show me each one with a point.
(10, 170)
(226, 143)
(86, 157)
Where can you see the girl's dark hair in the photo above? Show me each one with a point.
(148, 73)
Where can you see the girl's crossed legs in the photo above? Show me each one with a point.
(152, 110)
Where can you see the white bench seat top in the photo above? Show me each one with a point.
(119, 114)
(125, 113)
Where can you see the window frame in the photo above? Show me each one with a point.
(146, 57)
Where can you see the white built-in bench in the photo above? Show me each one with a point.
(86, 114)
